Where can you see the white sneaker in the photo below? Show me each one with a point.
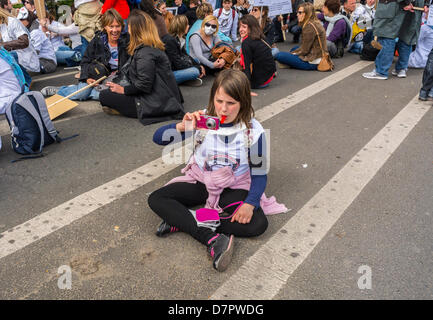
(374, 75)
(193, 83)
(49, 91)
(400, 73)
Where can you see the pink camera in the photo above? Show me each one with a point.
(208, 122)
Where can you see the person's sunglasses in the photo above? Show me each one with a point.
(255, 9)
(300, 12)
(212, 26)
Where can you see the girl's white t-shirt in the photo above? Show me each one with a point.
(226, 147)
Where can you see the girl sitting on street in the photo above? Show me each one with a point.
(228, 169)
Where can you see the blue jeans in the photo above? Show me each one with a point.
(89, 93)
(186, 74)
(294, 61)
(385, 57)
(68, 56)
(356, 47)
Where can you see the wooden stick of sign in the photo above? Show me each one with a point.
(58, 105)
(40, 9)
(78, 91)
(282, 24)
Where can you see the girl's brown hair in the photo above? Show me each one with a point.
(110, 16)
(236, 85)
(178, 25)
(142, 31)
(310, 14)
(254, 30)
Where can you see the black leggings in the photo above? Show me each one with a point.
(120, 102)
(171, 203)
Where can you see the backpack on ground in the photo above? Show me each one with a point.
(31, 126)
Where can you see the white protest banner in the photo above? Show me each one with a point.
(430, 16)
(276, 7)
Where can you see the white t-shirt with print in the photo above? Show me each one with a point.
(226, 147)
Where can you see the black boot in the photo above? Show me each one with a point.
(164, 228)
(220, 248)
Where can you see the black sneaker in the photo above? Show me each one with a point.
(220, 248)
(164, 228)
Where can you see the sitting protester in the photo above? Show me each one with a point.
(309, 54)
(418, 57)
(181, 7)
(103, 56)
(11, 79)
(201, 43)
(148, 7)
(242, 7)
(261, 14)
(186, 69)
(167, 15)
(227, 174)
(149, 91)
(64, 54)
(362, 26)
(338, 28)
(15, 38)
(227, 20)
(42, 45)
(191, 14)
(256, 54)
(203, 10)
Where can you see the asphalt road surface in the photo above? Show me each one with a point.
(351, 158)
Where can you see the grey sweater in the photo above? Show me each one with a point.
(200, 51)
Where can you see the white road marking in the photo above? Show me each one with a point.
(60, 75)
(267, 271)
(52, 220)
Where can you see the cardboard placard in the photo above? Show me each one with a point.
(57, 109)
(40, 9)
(276, 7)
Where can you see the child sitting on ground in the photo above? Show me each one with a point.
(228, 169)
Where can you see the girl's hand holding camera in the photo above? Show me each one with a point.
(189, 121)
(244, 214)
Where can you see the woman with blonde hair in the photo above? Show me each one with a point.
(186, 70)
(203, 10)
(309, 54)
(149, 91)
(201, 43)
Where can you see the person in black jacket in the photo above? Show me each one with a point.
(149, 91)
(186, 70)
(256, 54)
(106, 51)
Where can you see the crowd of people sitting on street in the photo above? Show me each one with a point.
(144, 50)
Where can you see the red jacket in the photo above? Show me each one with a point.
(121, 6)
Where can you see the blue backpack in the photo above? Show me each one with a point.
(31, 126)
